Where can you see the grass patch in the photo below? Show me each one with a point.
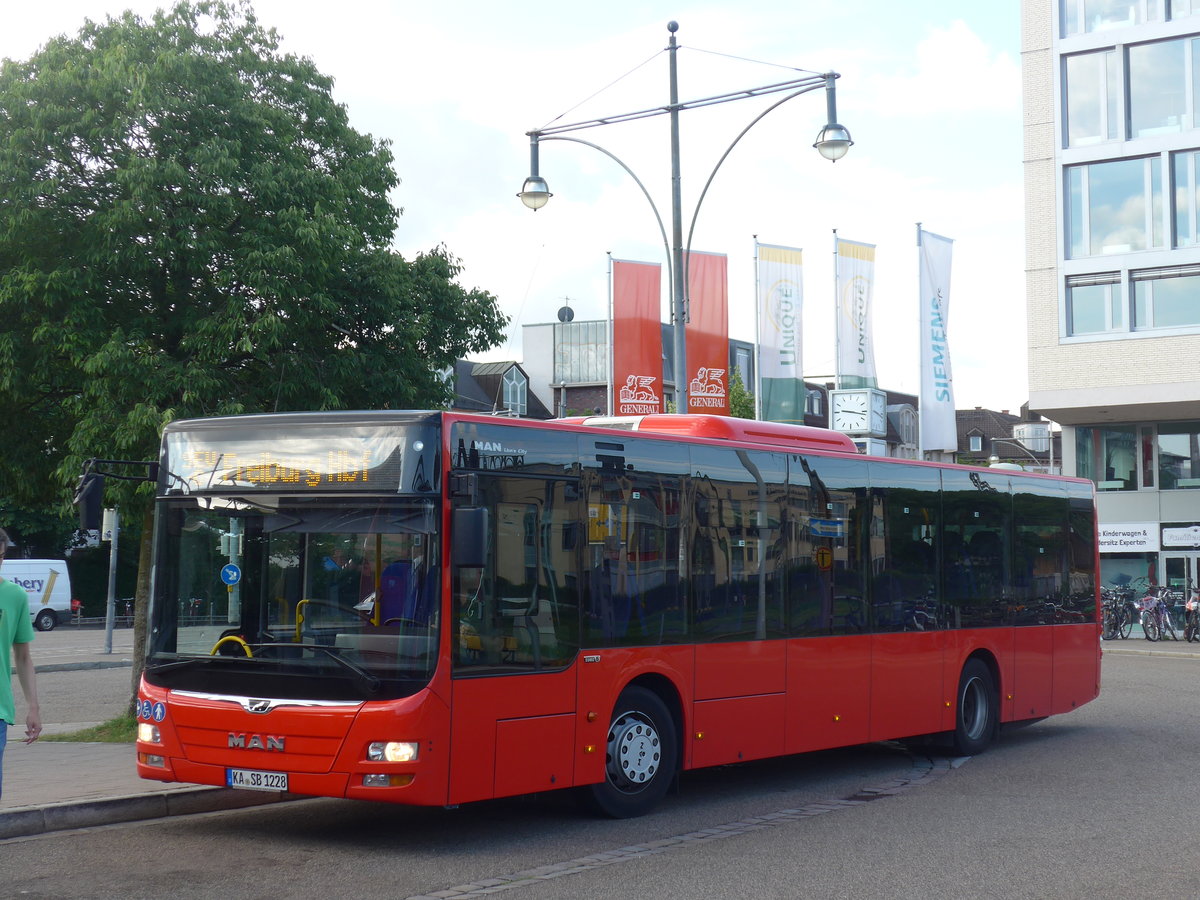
(121, 730)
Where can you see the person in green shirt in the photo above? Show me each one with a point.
(16, 632)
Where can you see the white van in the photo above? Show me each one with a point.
(49, 587)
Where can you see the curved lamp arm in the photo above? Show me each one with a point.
(728, 150)
(654, 208)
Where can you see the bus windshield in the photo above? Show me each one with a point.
(271, 596)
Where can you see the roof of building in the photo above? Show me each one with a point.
(479, 387)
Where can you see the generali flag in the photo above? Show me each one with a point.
(707, 334)
(780, 303)
(637, 338)
(855, 286)
(937, 421)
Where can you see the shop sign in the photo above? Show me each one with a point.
(1130, 537)
(1181, 537)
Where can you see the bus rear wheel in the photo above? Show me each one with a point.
(641, 749)
(977, 712)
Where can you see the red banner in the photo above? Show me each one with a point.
(707, 334)
(637, 339)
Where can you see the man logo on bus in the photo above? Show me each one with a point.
(255, 742)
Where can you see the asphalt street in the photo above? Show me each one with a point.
(51, 786)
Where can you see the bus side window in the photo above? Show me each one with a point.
(520, 610)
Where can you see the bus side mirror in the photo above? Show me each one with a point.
(89, 498)
(469, 541)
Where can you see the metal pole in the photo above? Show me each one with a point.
(920, 339)
(758, 339)
(111, 608)
(612, 347)
(679, 288)
(837, 318)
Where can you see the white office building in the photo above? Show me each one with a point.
(1112, 186)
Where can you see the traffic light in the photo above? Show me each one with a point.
(89, 498)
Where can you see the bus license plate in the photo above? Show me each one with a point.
(253, 780)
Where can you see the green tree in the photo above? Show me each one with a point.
(741, 401)
(189, 226)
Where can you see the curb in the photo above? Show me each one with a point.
(1148, 651)
(80, 666)
(25, 821)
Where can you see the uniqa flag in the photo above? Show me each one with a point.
(855, 280)
(939, 429)
(707, 333)
(780, 303)
(637, 338)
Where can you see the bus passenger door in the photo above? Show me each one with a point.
(516, 636)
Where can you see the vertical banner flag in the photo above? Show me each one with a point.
(855, 279)
(937, 421)
(780, 301)
(636, 338)
(707, 334)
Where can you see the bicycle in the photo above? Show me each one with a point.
(1156, 617)
(1118, 616)
(1191, 628)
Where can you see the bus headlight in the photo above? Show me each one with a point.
(392, 751)
(147, 732)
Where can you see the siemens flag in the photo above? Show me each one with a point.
(937, 422)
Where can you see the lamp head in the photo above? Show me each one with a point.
(833, 141)
(534, 193)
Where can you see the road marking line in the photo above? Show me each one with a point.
(925, 769)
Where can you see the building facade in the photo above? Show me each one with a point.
(1111, 94)
(567, 364)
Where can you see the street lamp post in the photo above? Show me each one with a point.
(832, 143)
(1025, 449)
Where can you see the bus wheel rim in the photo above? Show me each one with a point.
(634, 752)
(974, 709)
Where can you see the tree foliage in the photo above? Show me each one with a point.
(189, 226)
(741, 401)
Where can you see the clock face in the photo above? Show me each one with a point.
(878, 413)
(850, 411)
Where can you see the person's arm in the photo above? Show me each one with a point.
(23, 660)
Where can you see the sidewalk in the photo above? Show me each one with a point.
(51, 786)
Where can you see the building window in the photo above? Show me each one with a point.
(908, 426)
(1184, 184)
(580, 352)
(976, 443)
(1094, 304)
(812, 403)
(1158, 88)
(1108, 456)
(1093, 87)
(1115, 207)
(1085, 16)
(516, 391)
(744, 360)
(1166, 298)
(1182, 8)
(1179, 455)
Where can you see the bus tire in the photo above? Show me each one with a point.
(641, 749)
(976, 711)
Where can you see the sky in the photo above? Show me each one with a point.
(929, 90)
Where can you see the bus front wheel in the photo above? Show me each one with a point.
(976, 716)
(641, 749)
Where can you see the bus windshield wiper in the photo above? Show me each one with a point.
(180, 663)
(368, 682)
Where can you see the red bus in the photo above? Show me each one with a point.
(433, 608)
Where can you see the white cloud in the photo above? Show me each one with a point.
(929, 89)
